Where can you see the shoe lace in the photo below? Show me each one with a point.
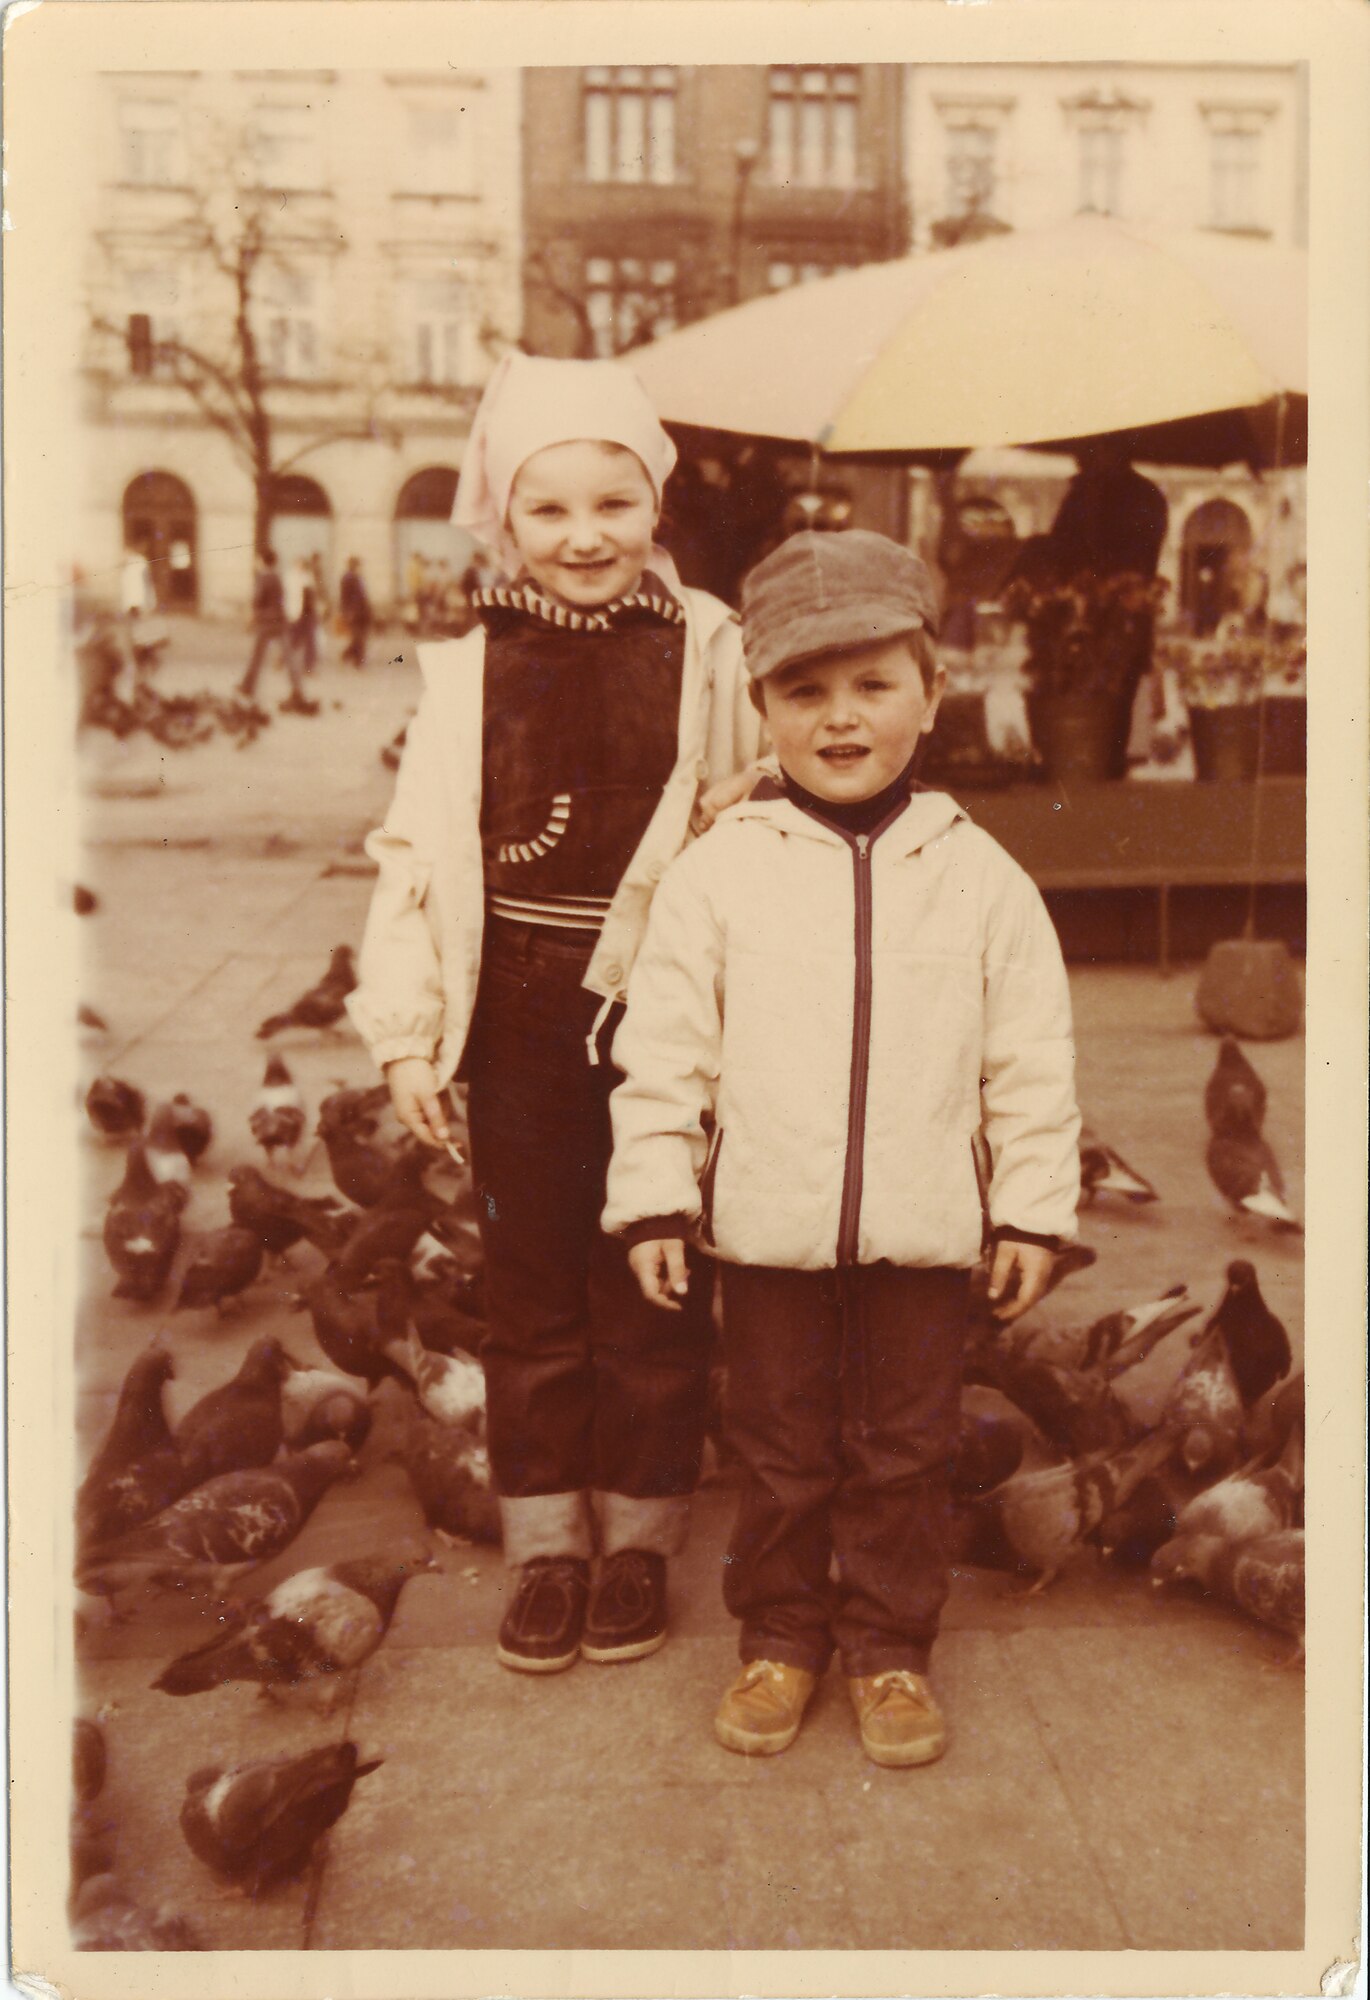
(902, 1680)
(762, 1670)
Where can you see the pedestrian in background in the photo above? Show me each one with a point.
(301, 618)
(272, 635)
(547, 780)
(354, 612)
(846, 1162)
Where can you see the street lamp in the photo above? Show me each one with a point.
(746, 152)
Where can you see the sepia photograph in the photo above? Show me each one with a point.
(687, 1079)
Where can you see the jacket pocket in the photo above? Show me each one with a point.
(706, 1187)
(979, 1159)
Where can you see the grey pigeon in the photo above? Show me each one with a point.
(257, 1824)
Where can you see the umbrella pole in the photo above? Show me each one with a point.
(1249, 986)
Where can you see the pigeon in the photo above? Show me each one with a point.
(194, 1127)
(1102, 1171)
(1118, 1341)
(323, 1005)
(166, 1157)
(238, 1425)
(1263, 1576)
(1257, 1343)
(281, 1219)
(356, 1109)
(137, 1470)
(1234, 1093)
(1075, 1257)
(104, 1918)
(277, 1120)
(318, 1622)
(1247, 1504)
(345, 1328)
(449, 1387)
(227, 1526)
(1130, 1533)
(370, 1174)
(1036, 1520)
(116, 1109)
(450, 1472)
(142, 1228)
(256, 1824)
(1246, 1174)
(1270, 1424)
(989, 1450)
(381, 1235)
(224, 1263)
(1204, 1409)
(319, 1403)
(442, 1325)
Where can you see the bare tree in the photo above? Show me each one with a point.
(232, 239)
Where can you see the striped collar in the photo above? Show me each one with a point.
(654, 598)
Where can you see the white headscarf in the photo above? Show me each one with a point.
(531, 402)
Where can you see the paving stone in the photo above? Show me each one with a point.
(1184, 1768)
(980, 1851)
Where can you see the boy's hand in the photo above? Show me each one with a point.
(414, 1094)
(727, 792)
(1030, 1265)
(659, 1267)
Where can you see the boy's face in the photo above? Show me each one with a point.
(582, 516)
(844, 725)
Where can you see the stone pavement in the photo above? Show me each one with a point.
(1125, 1772)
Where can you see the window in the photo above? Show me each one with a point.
(442, 353)
(288, 328)
(811, 127)
(441, 138)
(628, 300)
(151, 295)
(971, 157)
(780, 276)
(1236, 167)
(630, 125)
(285, 146)
(1101, 169)
(150, 141)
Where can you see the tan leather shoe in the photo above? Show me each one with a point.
(901, 1723)
(762, 1710)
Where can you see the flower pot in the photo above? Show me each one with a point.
(1226, 740)
(1285, 740)
(1080, 738)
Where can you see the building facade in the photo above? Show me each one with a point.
(1183, 146)
(380, 286)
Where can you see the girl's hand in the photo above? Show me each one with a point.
(414, 1094)
(659, 1267)
(727, 792)
(1031, 1264)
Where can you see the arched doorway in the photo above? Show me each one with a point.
(423, 527)
(159, 521)
(302, 522)
(1214, 563)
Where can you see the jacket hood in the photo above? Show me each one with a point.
(926, 815)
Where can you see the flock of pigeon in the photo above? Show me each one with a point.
(1066, 1441)
(393, 1293)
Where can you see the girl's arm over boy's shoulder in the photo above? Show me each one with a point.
(1030, 1117)
(669, 1047)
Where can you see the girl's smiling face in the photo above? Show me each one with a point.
(844, 725)
(582, 516)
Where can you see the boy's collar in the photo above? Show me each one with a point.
(926, 814)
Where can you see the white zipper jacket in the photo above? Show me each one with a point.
(420, 954)
(855, 1025)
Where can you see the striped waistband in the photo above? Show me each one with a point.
(562, 913)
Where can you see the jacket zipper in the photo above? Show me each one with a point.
(706, 1187)
(849, 1217)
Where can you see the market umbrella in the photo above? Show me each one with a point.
(1194, 343)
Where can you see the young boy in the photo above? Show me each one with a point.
(848, 1068)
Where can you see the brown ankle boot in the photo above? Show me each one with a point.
(900, 1721)
(762, 1710)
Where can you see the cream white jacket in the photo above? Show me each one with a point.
(420, 953)
(824, 1070)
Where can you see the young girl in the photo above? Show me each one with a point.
(548, 779)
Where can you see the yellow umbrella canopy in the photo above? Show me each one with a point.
(1023, 338)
